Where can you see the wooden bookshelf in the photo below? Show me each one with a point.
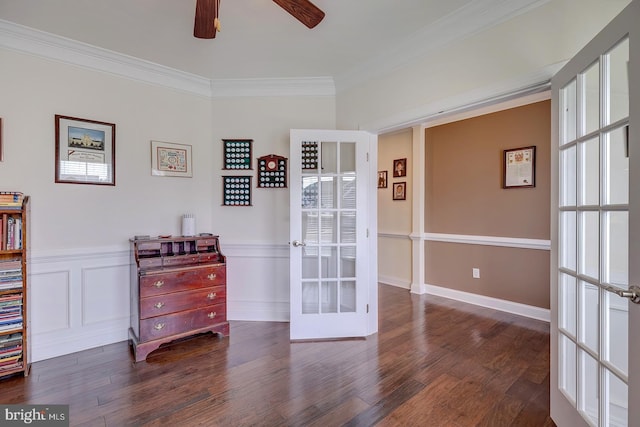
(13, 288)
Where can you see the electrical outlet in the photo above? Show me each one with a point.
(476, 273)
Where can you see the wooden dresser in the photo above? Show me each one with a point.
(178, 289)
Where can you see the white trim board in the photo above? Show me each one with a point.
(466, 239)
(509, 242)
(525, 310)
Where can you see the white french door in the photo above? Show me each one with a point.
(333, 276)
(595, 378)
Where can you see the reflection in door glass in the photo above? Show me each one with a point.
(310, 297)
(591, 96)
(329, 297)
(616, 173)
(618, 82)
(567, 370)
(348, 157)
(617, 400)
(568, 113)
(588, 402)
(616, 331)
(348, 296)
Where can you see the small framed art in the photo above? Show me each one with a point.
(519, 168)
(382, 179)
(399, 191)
(399, 168)
(85, 151)
(169, 159)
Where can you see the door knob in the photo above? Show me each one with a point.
(297, 243)
(633, 293)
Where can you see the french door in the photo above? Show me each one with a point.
(595, 376)
(333, 276)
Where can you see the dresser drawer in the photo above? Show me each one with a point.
(176, 323)
(181, 280)
(158, 305)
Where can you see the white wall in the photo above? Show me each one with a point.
(255, 239)
(513, 55)
(79, 233)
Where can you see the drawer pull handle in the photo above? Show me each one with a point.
(158, 305)
(211, 315)
(159, 283)
(212, 295)
(158, 326)
(212, 276)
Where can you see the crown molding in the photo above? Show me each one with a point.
(61, 49)
(50, 46)
(470, 19)
(308, 86)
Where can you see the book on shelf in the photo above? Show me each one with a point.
(12, 238)
(11, 198)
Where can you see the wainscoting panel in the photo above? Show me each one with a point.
(77, 301)
(80, 299)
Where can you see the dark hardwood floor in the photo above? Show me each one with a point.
(434, 362)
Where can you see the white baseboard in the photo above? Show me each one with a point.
(488, 302)
(259, 311)
(394, 281)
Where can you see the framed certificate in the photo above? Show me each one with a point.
(519, 168)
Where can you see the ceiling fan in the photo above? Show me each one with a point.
(207, 22)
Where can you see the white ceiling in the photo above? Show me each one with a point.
(261, 40)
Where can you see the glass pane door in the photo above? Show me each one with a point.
(331, 185)
(328, 228)
(593, 244)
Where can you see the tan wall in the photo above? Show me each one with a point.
(394, 216)
(512, 274)
(464, 175)
(464, 196)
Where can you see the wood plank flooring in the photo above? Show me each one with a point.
(434, 362)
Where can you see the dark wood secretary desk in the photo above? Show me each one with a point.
(178, 289)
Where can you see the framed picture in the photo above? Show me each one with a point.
(169, 159)
(85, 151)
(382, 179)
(399, 168)
(519, 168)
(399, 191)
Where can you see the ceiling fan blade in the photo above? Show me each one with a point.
(303, 10)
(205, 22)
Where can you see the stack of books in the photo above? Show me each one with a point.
(11, 200)
(10, 275)
(10, 312)
(10, 352)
